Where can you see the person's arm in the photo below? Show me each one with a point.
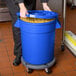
(23, 9)
(45, 5)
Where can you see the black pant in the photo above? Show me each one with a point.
(13, 9)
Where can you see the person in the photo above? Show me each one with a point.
(21, 6)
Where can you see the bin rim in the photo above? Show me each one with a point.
(41, 14)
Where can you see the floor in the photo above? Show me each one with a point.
(66, 62)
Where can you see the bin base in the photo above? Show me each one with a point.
(44, 66)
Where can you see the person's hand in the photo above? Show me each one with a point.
(46, 7)
(23, 10)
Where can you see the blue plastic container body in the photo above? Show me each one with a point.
(37, 41)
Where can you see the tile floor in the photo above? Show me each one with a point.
(66, 62)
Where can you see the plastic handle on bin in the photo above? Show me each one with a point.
(28, 15)
(58, 24)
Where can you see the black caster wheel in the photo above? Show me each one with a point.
(48, 71)
(29, 70)
(72, 7)
(55, 63)
(62, 47)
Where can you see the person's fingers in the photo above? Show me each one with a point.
(23, 13)
(27, 13)
(49, 9)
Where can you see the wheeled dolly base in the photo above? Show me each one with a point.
(46, 67)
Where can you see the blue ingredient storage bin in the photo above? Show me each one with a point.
(38, 39)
